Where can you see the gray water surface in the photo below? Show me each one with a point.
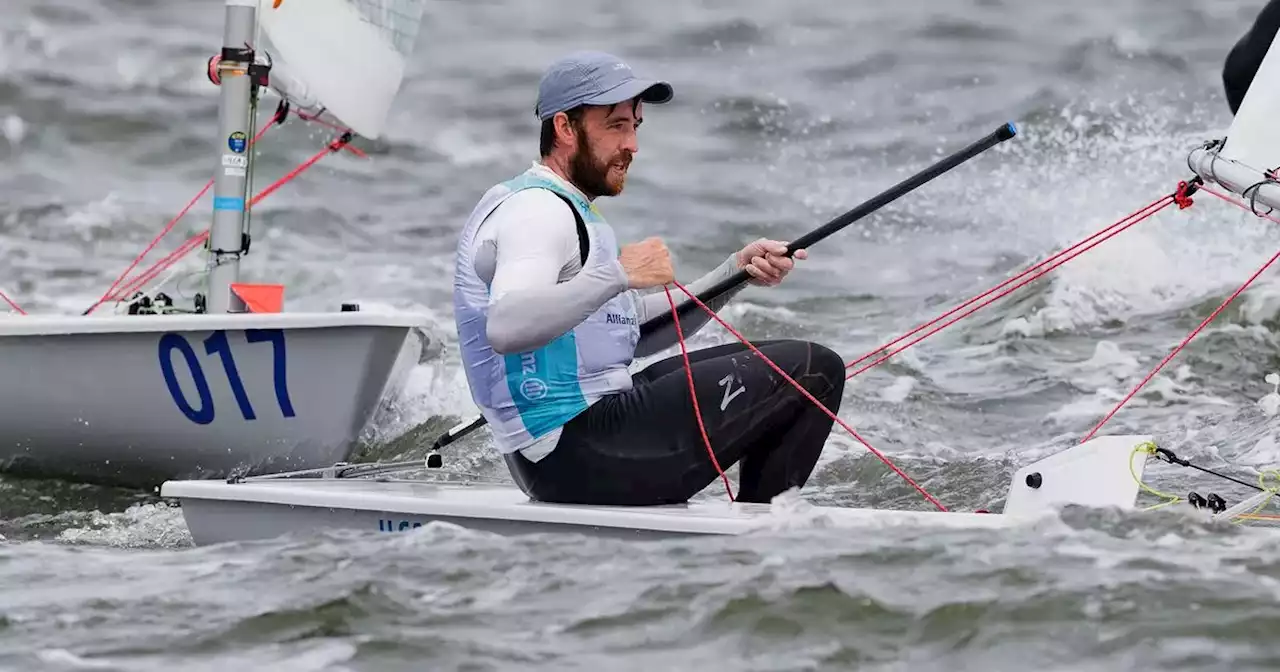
(786, 114)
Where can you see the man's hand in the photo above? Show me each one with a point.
(763, 260)
(647, 263)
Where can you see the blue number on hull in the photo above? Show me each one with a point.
(218, 343)
(279, 370)
(168, 343)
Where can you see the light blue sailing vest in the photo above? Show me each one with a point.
(528, 396)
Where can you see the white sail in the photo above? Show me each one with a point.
(1245, 163)
(347, 56)
(1254, 137)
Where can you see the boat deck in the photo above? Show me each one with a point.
(434, 500)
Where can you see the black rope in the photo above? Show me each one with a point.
(1167, 455)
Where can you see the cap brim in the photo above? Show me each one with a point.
(649, 91)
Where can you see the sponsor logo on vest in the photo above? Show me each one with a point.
(614, 318)
(533, 389)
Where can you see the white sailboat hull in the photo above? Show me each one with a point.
(264, 511)
(136, 400)
(1092, 474)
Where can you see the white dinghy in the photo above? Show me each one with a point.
(359, 497)
(229, 386)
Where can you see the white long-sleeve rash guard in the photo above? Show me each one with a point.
(527, 250)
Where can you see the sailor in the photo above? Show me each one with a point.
(548, 307)
(1246, 56)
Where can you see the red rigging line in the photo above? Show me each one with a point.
(118, 291)
(1183, 203)
(1181, 197)
(12, 304)
(1016, 282)
(111, 292)
(693, 395)
(1195, 332)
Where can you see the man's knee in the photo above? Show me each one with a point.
(818, 368)
(825, 360)
(815, 357)
(828, 364)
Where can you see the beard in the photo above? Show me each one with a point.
(595, 177)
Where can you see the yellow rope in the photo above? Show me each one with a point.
(1149, 448)
(1271, 494)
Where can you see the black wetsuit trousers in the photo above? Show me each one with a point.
(643, 446)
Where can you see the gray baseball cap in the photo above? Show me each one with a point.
(594, 78)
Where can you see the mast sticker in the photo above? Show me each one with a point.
(228, 203)
(237, 141)
(234, 165)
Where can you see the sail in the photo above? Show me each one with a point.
(1254, 136)
(347, 56)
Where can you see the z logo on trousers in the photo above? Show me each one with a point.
(729, 392)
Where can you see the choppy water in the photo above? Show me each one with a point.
(786, 114)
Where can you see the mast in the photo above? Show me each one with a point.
(228, 237)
